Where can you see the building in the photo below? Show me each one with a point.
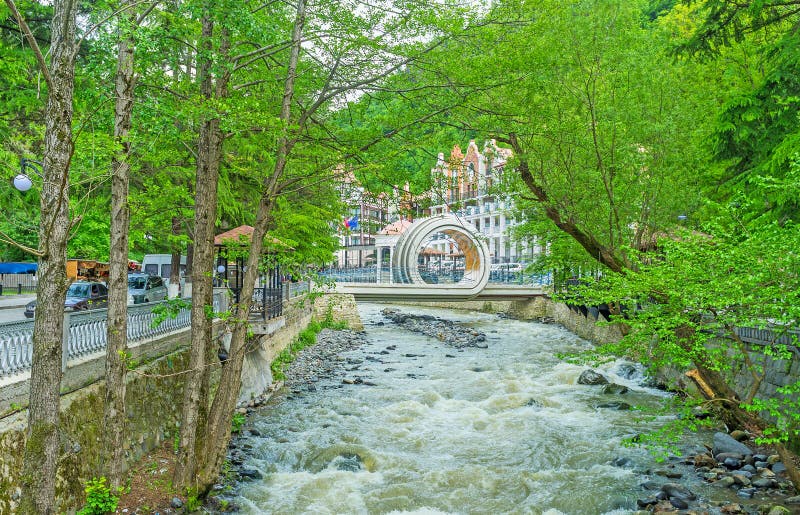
(466, 185)
(367, 214)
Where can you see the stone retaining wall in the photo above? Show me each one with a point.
(539, 308)
(342, 307)
(154, 395)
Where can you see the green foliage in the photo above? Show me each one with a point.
(99, 498)
(237, 422)
(170, 309)
(683, 304)
(193, 501)
(305, 338)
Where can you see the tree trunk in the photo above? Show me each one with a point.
(219, 425)
(175, 262)
(42, 446)
(116, 351)
(208, 162)
(604, 254)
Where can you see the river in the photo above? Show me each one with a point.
(504, 429)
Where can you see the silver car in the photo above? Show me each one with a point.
(145, 288)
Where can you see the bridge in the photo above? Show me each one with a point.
(407, 277)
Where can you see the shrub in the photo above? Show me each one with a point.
(99, 498)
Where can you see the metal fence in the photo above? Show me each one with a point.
(500, 274)
(86, 333)
(17, 283)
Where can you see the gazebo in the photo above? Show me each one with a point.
(231, 249)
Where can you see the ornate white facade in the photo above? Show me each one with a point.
(465, 185)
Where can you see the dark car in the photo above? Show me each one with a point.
(81, 296)
(145, 288)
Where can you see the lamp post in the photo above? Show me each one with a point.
(22, 182)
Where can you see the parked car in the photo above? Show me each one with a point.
(145, 288)
(81, 295)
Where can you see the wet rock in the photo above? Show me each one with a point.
(764, 482)
(739, 436)
(623, 462)
(732, 463)
(746, 493)
(590, 377)
(779, 468)
(679, 503)
(741, 480)
(615, 389)
(725, 443)
(792, 500)
(619, 406)
(627, 370)
(778, 510)
(349, 462)
(451, 333)
(176, 503)
(704, 460)
(651, 485)
(644, 503)
(725, 482)
(676, 491)
(250, 473)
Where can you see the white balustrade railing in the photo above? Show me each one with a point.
(87, 333)
(298, 289)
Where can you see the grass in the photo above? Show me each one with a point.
(306, 338)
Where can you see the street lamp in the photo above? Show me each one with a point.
(22, 182)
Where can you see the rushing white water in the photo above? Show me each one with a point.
(500, 430)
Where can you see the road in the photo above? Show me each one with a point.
(13, 306)
(12, 315)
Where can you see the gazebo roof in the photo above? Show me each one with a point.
(398, 227)
(241, 234)
(430, 251)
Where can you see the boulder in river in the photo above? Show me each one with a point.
(590, 377)
(614, 389)
(676, 491)
(724, 443)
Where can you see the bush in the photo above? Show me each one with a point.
(99, 499)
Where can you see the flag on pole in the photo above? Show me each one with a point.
(351, 223)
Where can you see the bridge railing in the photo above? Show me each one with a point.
(85, 333)
(432, 275)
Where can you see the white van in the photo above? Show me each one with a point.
(161, 265)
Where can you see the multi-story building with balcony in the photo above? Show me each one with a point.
(466, 185)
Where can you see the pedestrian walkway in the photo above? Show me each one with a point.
(16, 301)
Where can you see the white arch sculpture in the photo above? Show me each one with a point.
(412, 242)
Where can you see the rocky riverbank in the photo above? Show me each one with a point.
(448, 332)
(729, 464)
